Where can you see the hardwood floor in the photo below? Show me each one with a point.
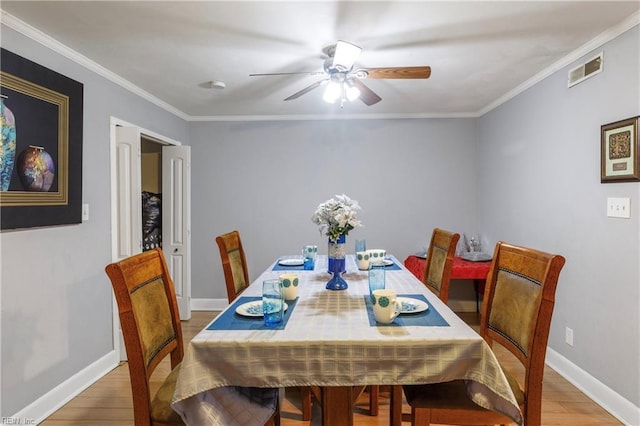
(108, 401)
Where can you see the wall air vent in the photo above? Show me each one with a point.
(585, 71)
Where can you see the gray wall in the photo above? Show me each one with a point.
(539, 185)
(266, 179)
(56, 298)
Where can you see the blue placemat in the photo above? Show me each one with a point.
(430, 318)
(393, 267)
(279, 267)
(229, 320)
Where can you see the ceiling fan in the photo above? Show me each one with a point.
(344, 82)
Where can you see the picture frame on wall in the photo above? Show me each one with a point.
(41, 146)
(619, 151)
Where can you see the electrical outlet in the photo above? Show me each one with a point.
(568, 336)
(619, 207)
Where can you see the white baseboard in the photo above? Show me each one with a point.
(617, 405)
(48, 403)
(209, 304)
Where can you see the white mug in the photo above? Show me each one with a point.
(377, 255)
(289, 286)
(385, 306)
(362, 259)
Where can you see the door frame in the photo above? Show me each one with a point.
(114, 122)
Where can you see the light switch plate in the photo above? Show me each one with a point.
(85, 212)
(619, 207)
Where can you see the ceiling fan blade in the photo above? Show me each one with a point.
(368, 96)
(399, 72)
(306, 89)
(345, 55)
(289, 73)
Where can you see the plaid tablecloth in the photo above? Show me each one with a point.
(328, 341)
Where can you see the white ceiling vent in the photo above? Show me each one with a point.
(585, 71)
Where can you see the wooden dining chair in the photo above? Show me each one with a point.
(236, 277)
(234, 264)
(517, 308)
(151, 327)
(440, 254)
(439, 262)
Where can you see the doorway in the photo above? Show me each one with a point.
(145, 164)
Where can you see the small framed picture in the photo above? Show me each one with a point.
(619, 151)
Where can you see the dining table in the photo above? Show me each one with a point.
(329, 340)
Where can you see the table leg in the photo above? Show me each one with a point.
(337, 405)
(478, 287)
(395, 406)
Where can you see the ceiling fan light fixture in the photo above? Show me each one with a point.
(352, 92)
(333, 92)
(345, 55)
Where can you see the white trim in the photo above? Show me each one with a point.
(117, 339)
(586, 48)
(208, 304)
(48, 403)
(301, 117)
(47, 41)
(601, 394)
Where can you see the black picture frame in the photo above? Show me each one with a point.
(619, 151)
(48, 111)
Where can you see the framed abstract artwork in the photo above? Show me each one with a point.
(619, 151)
(41, 112)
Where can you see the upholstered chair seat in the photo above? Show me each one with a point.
(151, 328)
(516, 314)
(439, 262)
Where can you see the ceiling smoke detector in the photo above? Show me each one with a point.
(217, 84)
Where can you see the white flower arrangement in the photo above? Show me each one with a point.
(337, 216)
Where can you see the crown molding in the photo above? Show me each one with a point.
(583, 50)
(47, 41)
(316, 117)
(51, 43)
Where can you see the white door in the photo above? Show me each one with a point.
(176, 221)
(128, 232)
(176, 207)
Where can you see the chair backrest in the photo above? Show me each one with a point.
(440, 254)
(234, 264)
(149, 319)
(516, 313)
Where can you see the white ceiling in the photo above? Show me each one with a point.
(480, 52)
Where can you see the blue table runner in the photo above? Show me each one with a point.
(229, 320)
(430, 318)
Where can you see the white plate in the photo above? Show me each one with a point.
(291, 262)
(421, 255)
(387, 262)
(475, 256)
(412, 306)
(253, 309)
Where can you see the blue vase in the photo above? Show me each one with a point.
(7, 145)
(337, 255)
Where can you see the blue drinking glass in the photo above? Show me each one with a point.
(272, 302)
(376, 277)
